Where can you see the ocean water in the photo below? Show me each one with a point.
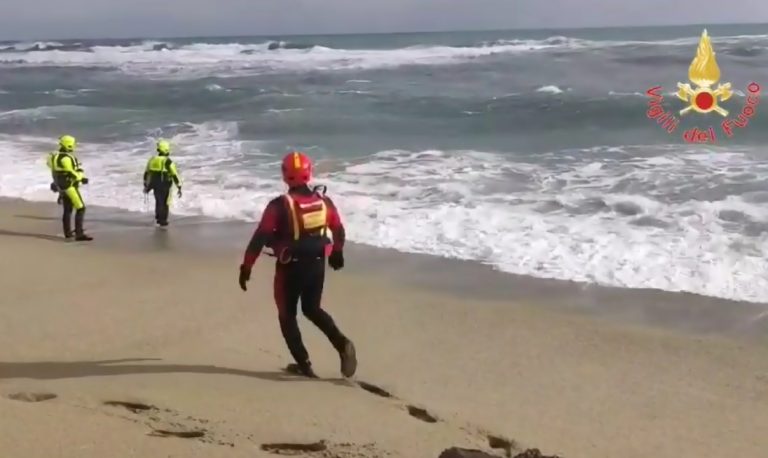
(527, 150)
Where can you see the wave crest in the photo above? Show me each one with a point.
(178, 58)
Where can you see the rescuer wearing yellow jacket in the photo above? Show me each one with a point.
(159, 176)
(68, 175)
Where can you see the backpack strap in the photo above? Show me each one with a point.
(293, 220)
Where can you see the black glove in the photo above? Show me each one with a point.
(179, 193)
(146, 190)
(336, 260)
(245, 275)
(54, 188)
(84, 181)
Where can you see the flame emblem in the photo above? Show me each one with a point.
(704, 73)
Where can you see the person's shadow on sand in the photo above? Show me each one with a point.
(76, 369)
(117, 221)
(32, 235)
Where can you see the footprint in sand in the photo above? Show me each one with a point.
(415, 412)
(319, 446)
(134, 407)
(168, 423)
(31, 397)
(378, 391)
(458, 452)
(182, 434)
(502, 443)
(421, 414)
(495, 442)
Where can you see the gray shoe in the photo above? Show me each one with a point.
(348, 359)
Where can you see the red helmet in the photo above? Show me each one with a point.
(297, 169)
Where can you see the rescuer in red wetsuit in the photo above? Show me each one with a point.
(295, 225)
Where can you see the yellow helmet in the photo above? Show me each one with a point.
(67, 143)
(164, 147)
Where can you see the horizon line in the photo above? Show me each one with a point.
(414, 32)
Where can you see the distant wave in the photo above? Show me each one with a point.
(191, 59)
(550, 90)
(38, 46)
(216, 88)
(606, 108)
(43, 112)
(200, 59)
(147, 45)
(553, 41)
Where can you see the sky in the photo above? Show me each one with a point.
(37, 19)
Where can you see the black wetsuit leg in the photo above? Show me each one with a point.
(162, 191)
(313, 272)
(66, 215)
(79, 219)
(287, 290)
(303, 280)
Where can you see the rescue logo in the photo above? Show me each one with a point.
(703, 97)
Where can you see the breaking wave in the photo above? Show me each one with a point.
(639, 217)
(172, 57)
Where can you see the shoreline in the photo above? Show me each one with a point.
(679, 311)
(155, 318)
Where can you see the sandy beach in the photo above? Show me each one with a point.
(155, 324)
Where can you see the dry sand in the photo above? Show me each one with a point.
(150, 318)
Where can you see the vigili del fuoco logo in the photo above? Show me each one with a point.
(703, 98)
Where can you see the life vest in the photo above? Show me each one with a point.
(307, 233)
(159, 169)
(62, 176)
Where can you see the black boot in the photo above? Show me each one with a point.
(67, 227)
(304, 369)
(80, 235)
(340, 342)
(66, 223)
(348, 357)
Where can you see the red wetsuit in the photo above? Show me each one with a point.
(300, 267)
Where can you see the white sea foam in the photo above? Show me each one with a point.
(216, 88)
(154, 58)
(626, 94)
(550, 90)
(41, 45)
(42, 112)
(197, 59)
(283, 110)
(601, 215)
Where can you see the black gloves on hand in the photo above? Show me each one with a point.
(179, 193)
(84, 181)
(336, 260)
(245, 275)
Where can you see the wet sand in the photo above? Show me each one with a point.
(156, 318)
